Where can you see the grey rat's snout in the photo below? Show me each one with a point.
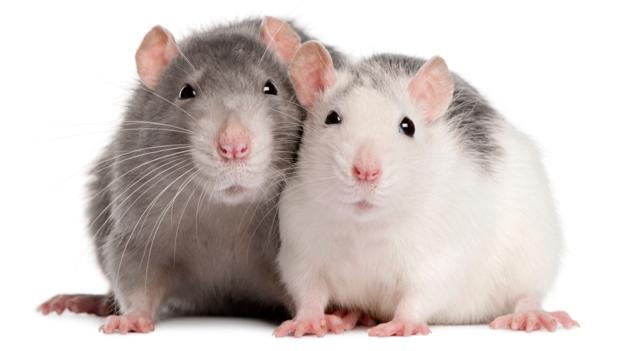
(233, 141)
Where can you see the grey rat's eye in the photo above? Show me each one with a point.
(187, 92)
(333, 118)
(407, 127)
(269, 88)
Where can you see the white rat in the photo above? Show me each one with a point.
(413, 201)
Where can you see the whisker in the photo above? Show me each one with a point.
(143, 218)
(158, 124)
(181, 216)
(162, 216)
(118, 197)
(170, 157)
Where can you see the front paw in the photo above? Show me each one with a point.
(128, 323)
(318, 326)
(399, 328)
(353, 318)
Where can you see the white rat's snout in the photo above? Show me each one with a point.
(366, 165)
(366, 172)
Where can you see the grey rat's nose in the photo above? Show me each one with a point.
(233, 141)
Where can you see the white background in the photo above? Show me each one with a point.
(555, 70)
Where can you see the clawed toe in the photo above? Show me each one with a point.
(565, 320)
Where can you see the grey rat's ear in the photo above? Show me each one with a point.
(312, 72)
(280, 37)
(156, 51)
(432, 87)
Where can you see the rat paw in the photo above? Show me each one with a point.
(534, 320)
(312, 326)
(99, 305)
(399, 328)
(301, 327)
(127, 323)
(351, 319)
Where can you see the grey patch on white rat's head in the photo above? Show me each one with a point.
(469, 114)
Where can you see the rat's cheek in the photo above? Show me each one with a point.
(203, 132)
(201, 145)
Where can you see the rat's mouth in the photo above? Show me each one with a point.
(363, 206)
(234, 190)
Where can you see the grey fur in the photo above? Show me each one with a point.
(469, 114)
(223, 261)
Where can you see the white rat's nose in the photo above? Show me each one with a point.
(366, 166)
(233, 141)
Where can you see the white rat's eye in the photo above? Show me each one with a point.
(407, 127)
(187, 92)
(269, 88)
(333, 118)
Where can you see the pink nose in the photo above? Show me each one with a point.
(234, 151)
(366, 172)
(233, 143)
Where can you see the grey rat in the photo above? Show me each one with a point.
(183, 200)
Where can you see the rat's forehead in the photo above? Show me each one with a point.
(373, 77)
(224, 46)
(227, 73)
(385, 72)
(367, 86)
(366, 100)
(230, 52)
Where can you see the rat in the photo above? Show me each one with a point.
(183, 206)
(413, 201)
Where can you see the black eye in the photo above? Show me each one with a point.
(407, 127)
(269, 88)
(187, 92)
(333, 118)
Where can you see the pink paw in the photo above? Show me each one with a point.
(351, 319)
(399, 328)
(127, 323)
(100, 305)
(311, 326)
(534, 320)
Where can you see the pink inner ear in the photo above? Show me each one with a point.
(312, 72)
(432, 88)
(156, 51)
(280, 37)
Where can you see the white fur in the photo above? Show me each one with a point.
(447, 242)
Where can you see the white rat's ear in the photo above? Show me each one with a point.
(280, 37)
(312, 72)
(157, 50)
(432, 88)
